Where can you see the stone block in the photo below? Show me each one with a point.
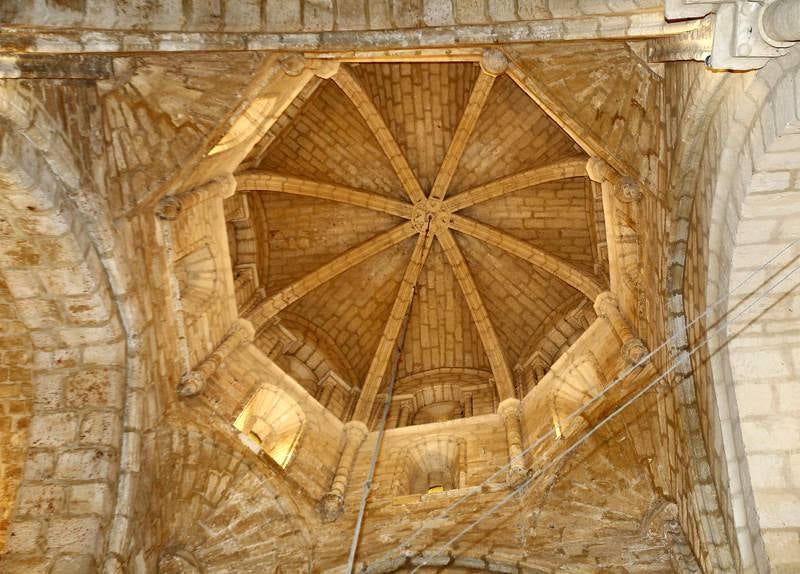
(131, 452)
(88, 499)
(39, 313)
(94, 387)
(502, 10)
(283, 15)
(36, 500)
(438, 13)
(406, 13)
(107, 355)
(380, 14)
(768, 470)
(763, 364)
(243, 16)
(317, 15)
(79, 336)
(754, 399)
(79, 535)
(788, 395)
(94, 308)
(769, 181)
(778, 509)
(23, 536)
(49, 391)
(56, 359)
(39, 466)
(53, 430)
(23, 283)
(532, 9)
(100, 429)
(76, 280)
(87, 464)
(469, 11)
(770, 434)
(351, 15)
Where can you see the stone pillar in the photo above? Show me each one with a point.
(624, 188)
(520, 386)
(327, 387)
(332, 502)
(405, 414)
(510, 410)
(539, 370)
(633, 349)
(240, 333)
(621, 196)
(171, 206)
(468, 405)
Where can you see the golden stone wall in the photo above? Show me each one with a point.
(184, 230)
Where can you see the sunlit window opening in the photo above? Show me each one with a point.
(273, 421)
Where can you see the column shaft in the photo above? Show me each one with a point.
(332, 502)
(510, 410)
(633, 349)
(240, 333)
(171, 206)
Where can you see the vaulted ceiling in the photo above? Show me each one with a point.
(437, 182)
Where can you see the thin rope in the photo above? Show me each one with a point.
(381, 428)
(445, 512)
(598, 426)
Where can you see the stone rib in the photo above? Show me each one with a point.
(254, 180)
(391, 331)
(288, 295)
(491, 344)
(573, 276)
(477, 100)
(355, 91)
(565, 169)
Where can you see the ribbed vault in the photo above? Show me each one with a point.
(440, 187)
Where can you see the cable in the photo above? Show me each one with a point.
(381, 429)
(594, 429)
(597, 397)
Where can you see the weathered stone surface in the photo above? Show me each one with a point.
(358, 198)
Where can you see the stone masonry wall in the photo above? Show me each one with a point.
(306, 15)
(738, 119)
(16, 401)
(62, 296)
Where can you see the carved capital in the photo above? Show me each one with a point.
(634, 351)
(169, 208)
(598, 170)
(606, 304)
(356, 431)
(493, 62)
(509, 408)
(326, 69)
(243, 330)
(191, 384)
(627, 190)
(240, 333)
(516, 475)
(293, 64)
(331, 506)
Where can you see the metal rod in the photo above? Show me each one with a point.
(381, 428)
